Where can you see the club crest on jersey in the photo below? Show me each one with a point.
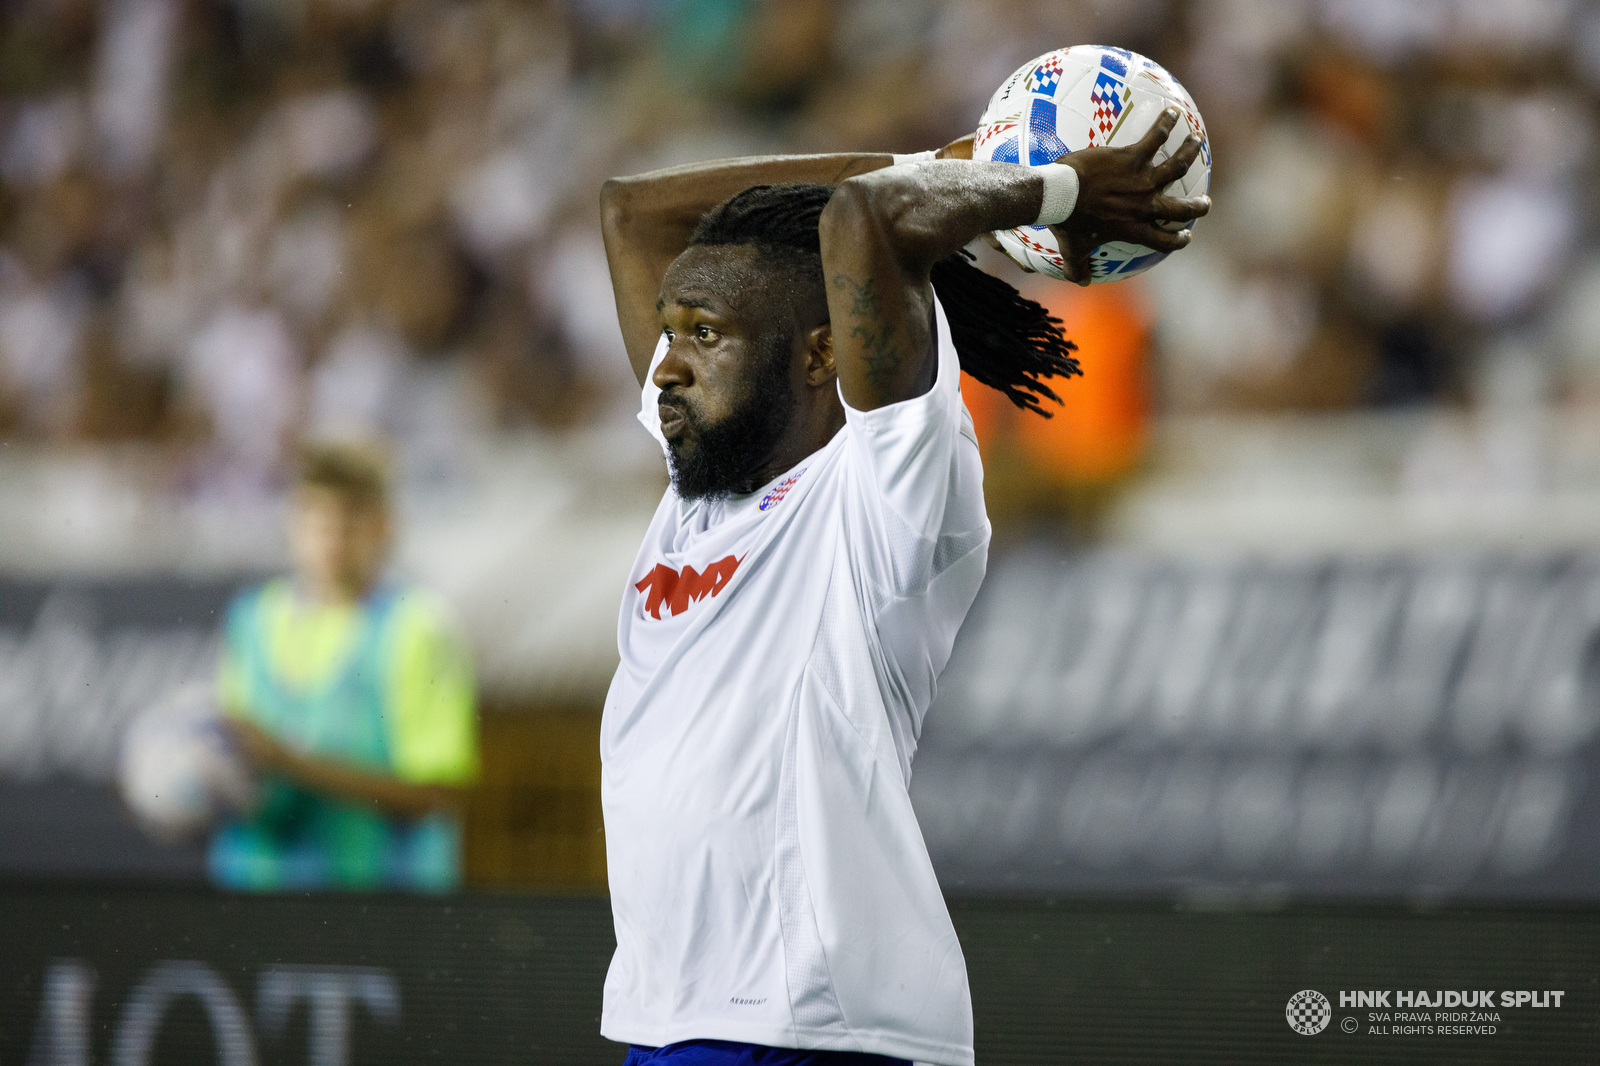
(779, 491)
(677, 589)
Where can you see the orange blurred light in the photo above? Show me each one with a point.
(1099, 432)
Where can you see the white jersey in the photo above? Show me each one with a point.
(769, 882)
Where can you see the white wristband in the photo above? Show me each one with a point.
(915, 157)
(1060, 193)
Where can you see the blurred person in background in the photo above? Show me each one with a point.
(352, 696)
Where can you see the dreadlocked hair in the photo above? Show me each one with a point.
(1003, 339)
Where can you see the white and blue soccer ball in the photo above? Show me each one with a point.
(1080, 97)
(179, 771)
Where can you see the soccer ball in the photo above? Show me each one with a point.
(179, 772)
(1081, 97)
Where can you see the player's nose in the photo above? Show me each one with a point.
(672, 370)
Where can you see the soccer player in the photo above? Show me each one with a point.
(798, 325)
(352, 696)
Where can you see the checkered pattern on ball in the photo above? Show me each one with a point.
(1047, 75)
(1107, 100)
(1309, 1012)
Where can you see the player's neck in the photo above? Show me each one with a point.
(809, 431)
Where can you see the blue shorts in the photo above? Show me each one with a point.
(728, 1053)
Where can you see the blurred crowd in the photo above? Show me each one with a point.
(225, 224)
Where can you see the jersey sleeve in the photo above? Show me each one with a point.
(433, 728)
(918, 480)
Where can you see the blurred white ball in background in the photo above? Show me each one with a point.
(179, 771)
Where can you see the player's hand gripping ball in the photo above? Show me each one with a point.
(1082, 97)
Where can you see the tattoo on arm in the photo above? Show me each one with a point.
(882, 358)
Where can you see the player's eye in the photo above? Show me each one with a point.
(667, 333)
(706, 335)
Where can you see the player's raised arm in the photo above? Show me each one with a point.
(883, 231)
(647, 220)
(881, 234)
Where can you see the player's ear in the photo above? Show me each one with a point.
(819, 356)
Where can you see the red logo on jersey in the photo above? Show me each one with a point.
(677, 589)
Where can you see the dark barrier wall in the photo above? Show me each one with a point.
(1418, 726)
(77, 661)
(150, 978)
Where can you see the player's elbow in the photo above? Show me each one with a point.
(617, 205)
(879, 204)
(847, 209)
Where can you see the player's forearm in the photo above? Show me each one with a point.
(930, 210)
(662, 207)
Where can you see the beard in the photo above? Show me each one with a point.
(709, 460)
